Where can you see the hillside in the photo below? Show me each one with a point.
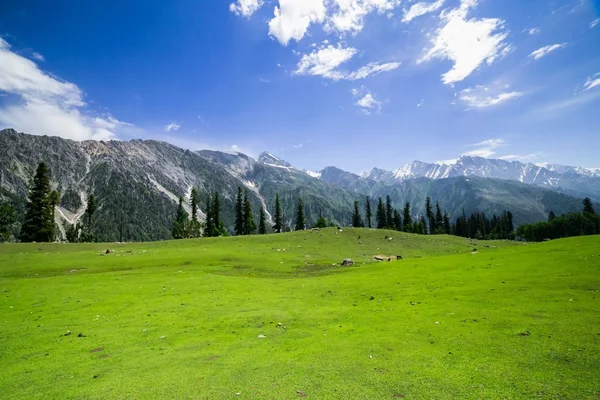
(137, 184)
(278, 317)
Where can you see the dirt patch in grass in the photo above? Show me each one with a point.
(99, 349)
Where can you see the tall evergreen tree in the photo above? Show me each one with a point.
(389, 213)
(430, 215)
(239, 213)
(422, 229)
(551, 216)
(321, 222)
(439, 219)
(249, 225)
(278, 227)
(194, 201)
(397, 220)
(447, 229)
(90, 209)
(7, 219)
(380, 215)
(180, 224)
(300, 220)
(209, 228)
(262, 224)
(216, 214)
(588, 206)
(368, 212)
(407, 218)
(39, 225)
(356, 218)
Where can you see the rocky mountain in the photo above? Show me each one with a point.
(578, 180)
(137, 185)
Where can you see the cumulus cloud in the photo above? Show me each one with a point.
(416, 10)
(366, 101)
(482, 96)
(348, 15)
(245, 8)
(592, 82)
(326, 60)
(544, 51)
(467, 42)
(172, 127)
(486, 149)
(42, 104)
(294, 17)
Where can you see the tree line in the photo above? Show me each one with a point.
(582, 223)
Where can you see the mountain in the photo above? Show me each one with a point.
(137, 185)
(578, 180)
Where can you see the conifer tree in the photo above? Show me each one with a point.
(7, 219)
(209, 228)
(356, 218)
(249, 225)
(439, 219)
(407, 218)
(278, 227)
(389, 213)
(300, 220)
(551, 216)
(239, 213)
(216, 214)
(588, 206)
(262, 224)
(90, 208)
(430, 215)
(447, 224)
(368, 213)
(321, 222)
(39, 225)
(180, 223)
(397, 220)
(87, 231)
(380, 216)
(194, 229)
(423, 226)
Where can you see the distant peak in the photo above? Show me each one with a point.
(272, 160)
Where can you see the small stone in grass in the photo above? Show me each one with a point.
(437, 323)
(162, 337)
(261, 336)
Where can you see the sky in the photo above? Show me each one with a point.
(352, 83)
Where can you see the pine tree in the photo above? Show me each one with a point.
(447, 224)
(356, 218)
(397, 220)
(39, 225)
(7, 219)
(389, 213)
(249, 225)
(430, 215)
(439, 219)
(87, 232)
(407, 218)
(300, 220)
(90, 209)
(551, 216)
(588, 206)
(321, 222)
(209, 228)
(216, 214)
(180, 223)
(239, 213)
(422, 226)
(368, 213)
(380, 216)
(195, 201)
(278, 227)
(262, 224)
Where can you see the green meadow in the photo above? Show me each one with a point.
(278, 317)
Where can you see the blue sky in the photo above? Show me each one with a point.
(351, 83)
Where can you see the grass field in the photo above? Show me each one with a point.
(186, 319)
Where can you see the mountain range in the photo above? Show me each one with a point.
(137, 184)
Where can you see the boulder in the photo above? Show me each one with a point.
(347, 262)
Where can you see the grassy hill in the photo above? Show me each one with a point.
(186, 319)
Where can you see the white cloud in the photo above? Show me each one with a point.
(366, 101)
(326, 60)
(46, 105)
(534, 31)
(172, 127)
(524, 157)
(416, 10)
(349, 14)
(482, 97)
(467, 42)
(245, 7)
(294, 17)
(592, 82)
(486, 149)
(594, 23)
(38, 56)
(544, 51)
(421, 103)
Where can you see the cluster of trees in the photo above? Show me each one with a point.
(185, 227)
(477, 226)
(567, 225)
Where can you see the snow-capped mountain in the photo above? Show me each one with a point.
(273, 161)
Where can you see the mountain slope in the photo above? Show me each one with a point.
(137, 185)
